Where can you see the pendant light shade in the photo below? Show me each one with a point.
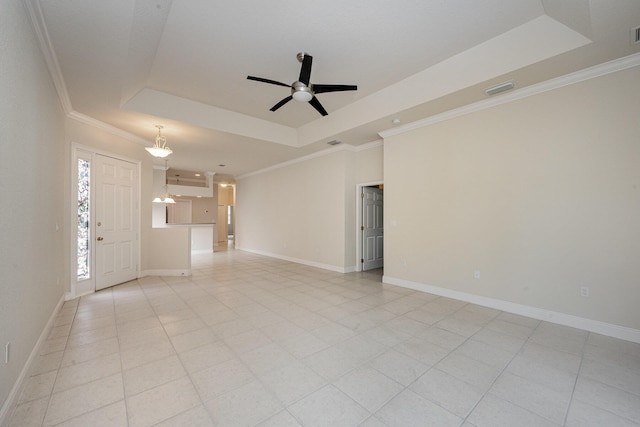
(160, 148)
(166, 197)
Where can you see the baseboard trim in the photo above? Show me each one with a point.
(69, 296)
(300, 261)
(16, 390)
(159, 272)
(609, 329)
(202, 251)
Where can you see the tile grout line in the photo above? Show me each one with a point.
(66, 344)
(575, 382)
(299, 295)
(488, 390)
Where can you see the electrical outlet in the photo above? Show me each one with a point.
(476, 274)
(584, 291)
(6, 352)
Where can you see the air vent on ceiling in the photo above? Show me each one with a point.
(334, 142)
(635, 35)
(493, 90)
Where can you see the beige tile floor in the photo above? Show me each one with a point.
(249, 340)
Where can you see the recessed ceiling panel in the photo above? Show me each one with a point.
(208, 48)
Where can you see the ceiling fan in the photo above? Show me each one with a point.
(302, 90)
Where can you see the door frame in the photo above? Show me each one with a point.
(77, 287)
(359, 223)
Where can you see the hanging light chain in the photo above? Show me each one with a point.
(161, 141)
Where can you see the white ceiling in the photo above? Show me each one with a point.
(183, 64)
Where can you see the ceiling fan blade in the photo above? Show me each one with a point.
(273, 82)
(332, 88)
(281, 103)
(316, 104)
(305, 71)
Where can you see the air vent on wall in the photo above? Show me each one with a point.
(635, 35)
(493, 90)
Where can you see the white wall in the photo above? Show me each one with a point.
(203, 210)
(158, 210)
(35, 182)
(541, 195)
(305, 211)
(169, 251)
(32, 222)
(369, 164)
(201, 237)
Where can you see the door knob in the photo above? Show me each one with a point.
(100, 239)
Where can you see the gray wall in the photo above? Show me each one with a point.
(32, 225)
(541, 195)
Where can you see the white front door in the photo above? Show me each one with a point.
(372, 228)
(116, 221)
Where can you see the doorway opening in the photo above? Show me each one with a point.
(225, 224)
(370, 227)
(230, 224)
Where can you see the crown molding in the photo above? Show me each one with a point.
(82, 118)
(34, 13)
(566, 80)
(367, 146)
(335, 149)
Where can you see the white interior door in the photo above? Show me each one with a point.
(116, 220)
(372, 228)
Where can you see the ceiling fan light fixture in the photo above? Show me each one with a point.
(159, 148)
(302, 96)
(301, 92)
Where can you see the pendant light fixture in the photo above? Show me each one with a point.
(166, 197)
(160, 148)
